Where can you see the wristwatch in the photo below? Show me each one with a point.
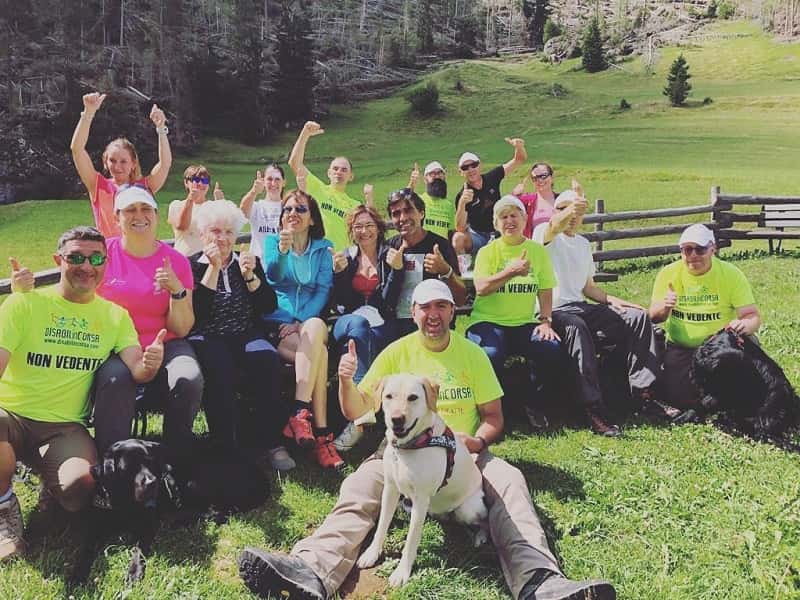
(446, 276)
(179, 295)
(163, 129)
(548, 320)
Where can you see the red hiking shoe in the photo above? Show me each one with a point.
(298, 428)
(326, 454)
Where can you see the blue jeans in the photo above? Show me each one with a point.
(546, 358)
(479, 239)
(369, 340)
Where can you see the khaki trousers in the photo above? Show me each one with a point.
(514, 527)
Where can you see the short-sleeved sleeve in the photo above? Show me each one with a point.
(14, 314)
(741, 292)
(126, 332)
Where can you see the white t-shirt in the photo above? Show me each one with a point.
(572, 262)
(264, 219)
(414, 266)
(187, 242)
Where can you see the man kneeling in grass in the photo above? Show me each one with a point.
(470, 403)
(52, 342)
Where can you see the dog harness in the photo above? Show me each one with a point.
(426, 439)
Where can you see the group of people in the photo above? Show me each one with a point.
(135, 320)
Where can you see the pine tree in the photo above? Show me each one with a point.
(294, 89)
(678, 86)
(535, 12)
(594, 58)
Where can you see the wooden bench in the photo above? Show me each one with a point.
(779, 217)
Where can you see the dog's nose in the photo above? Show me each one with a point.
(398, 422)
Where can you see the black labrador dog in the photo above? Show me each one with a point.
(739, 381)
(139, 482)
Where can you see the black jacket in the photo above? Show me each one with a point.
(384, 298)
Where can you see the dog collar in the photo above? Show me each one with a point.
(426, 439)
(171, 487)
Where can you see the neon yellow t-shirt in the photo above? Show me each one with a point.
(462, 370)
(706, 303)
(440, 215)
(334, 206)
(56, 346)
(514, 303)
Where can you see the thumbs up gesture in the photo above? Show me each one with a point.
(247, 262)
(369, 195)
(153, 355)
(166, 279)
(92, 102)
(348, 362)
(218, 193)
(520, 266)
(21, 277)
(435, 262)
(394, 256)
(259, 184)
(157, 116)
(339, 260)
(671, 298)
(412, 180)
(285, 239)
(467, 196)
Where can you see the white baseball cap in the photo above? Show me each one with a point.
(131, 195)
(505, 202)
(429, 290)
(434, 166)
(468, 157)
(697, 234)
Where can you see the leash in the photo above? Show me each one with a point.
(426, 439)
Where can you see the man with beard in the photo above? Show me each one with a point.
(469, 400)
(440, 214)
(422, 254)
(475, 202)
(333, 199)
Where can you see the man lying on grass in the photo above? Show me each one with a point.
(52, 342)
(470, 403)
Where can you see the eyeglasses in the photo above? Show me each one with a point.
(365, 227)
(468, 166)
(76, 258)
(204, 179)
(540, 176)
(698, 250)
(297, 208)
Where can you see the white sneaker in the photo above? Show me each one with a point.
(11, 529)
(349, 437)
(280, 460)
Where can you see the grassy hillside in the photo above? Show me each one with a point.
(649, 156)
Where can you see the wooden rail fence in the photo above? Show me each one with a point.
(721, 217)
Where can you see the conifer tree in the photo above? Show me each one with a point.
(593, 57)
(678, 86)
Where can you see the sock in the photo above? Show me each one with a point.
(321, 431)
(8, 494)
(300, 405)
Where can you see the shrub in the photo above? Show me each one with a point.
(459, 86)
(624, 104)
(725, 10)
(711, 10)
(707, 100)
(551, 30)
(593, 57)
(557, 90)
(678, 86)
(424, 100)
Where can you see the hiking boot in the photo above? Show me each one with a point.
(11, 528)
(349, 437)
(537, 419)
(601, 426)
(280, 460)
(659, 410)
(548, 585)
(299, 429)
(326, 454)
(279, 576)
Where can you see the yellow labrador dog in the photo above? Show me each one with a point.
(427, 464)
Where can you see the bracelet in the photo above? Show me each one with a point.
(163, 129)
(548, 320)
(484, 443)
(251, 280)
(447, 275)
(179, 295)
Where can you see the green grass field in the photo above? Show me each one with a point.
(681, 513)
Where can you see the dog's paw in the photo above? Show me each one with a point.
(369, 557)
(400, 576)
(481, 538)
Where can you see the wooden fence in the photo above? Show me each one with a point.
(719, 215)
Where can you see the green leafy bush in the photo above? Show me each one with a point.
(424, 100)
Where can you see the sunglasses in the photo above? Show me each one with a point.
(297, 208)
(76, 258)
(468, 166)
(204, 179)
(698, 250)
(541, 176)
